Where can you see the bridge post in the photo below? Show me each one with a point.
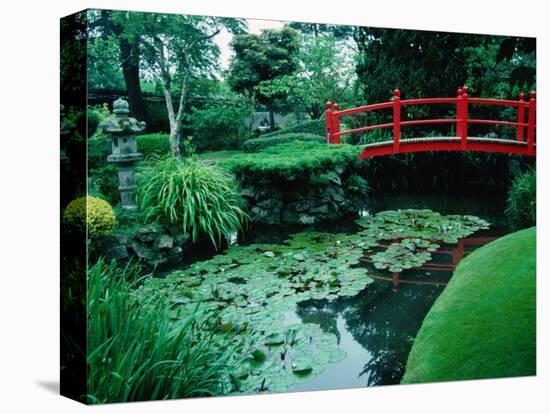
(531, 124)
(328, 122)
(464, 118)
(335, 124)
(521, 116)
(458, 111)
(396, 119)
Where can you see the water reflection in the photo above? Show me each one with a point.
(376, 328)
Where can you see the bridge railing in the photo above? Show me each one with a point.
(462, 103)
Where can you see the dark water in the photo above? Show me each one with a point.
(376, 327)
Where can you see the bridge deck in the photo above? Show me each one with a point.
(447, 144)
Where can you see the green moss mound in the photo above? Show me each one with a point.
(256, 144)
(297, 159)
(484, 324)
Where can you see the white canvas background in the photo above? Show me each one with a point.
(29, 280)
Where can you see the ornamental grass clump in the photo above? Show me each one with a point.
(521, 204)
(136, 352)
(199, 197)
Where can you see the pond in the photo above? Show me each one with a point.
(339, 305)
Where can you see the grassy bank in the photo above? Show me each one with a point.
(483, 325)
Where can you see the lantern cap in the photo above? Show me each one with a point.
(120, 123)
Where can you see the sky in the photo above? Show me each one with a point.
(255, 26)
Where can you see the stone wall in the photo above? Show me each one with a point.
(301, 202)
(153, 243)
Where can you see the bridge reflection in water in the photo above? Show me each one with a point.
(445, 259)
(376, 327)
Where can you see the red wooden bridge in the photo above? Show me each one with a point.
(461, 142)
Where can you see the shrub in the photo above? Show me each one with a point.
(201, 198)
(135, 352)
(522, 198)
(253, 145)
(103, 183)
(91, 213)
(315, 126)
(292, 160)
(153, 144)
(220, 125)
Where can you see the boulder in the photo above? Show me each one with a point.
(165, 242)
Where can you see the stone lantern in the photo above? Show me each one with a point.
(123, 130)
(65, 131)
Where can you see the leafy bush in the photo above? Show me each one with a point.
(152, 144)
(292, 160)
(135, 352)
(201, 198)
(253, 145)
(91, 213)
(103, 183)
(156, 115)
(315, 126)
(522, 198)
(220, 125)
(95, 115)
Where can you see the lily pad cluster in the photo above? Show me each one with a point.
(424, 224)
(249, 289)
(415, 235)
(406, 254)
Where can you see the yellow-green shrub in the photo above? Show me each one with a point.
(91, 212)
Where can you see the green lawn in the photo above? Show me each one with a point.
(483, 324)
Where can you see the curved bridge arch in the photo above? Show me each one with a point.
(462, 142)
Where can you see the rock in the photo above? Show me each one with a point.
(140, 249)
(120, 239)
(290, 216)
(248, 192)
(270, 204)
(148, 233)
(322, 209)
(118, 253)
(181, 239)
(165, 242)
(175, 251)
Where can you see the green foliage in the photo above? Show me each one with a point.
(292, 160)
(220, 124)
(484, 323)
(325, 73)
(199, 197)
(522, 198)
(136, 353)
(157, 116)
(256, 144)
(262, 58)
(153, 144)
(89, 214)
(525, 73)
(316, 127)
(103, 182)
(95, 115)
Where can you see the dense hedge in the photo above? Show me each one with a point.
(292, 160)
(256, 144)
(315, 126)
(153, 144)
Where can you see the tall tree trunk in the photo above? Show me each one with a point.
(129, 55)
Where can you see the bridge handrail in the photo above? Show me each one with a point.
(462, 100)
